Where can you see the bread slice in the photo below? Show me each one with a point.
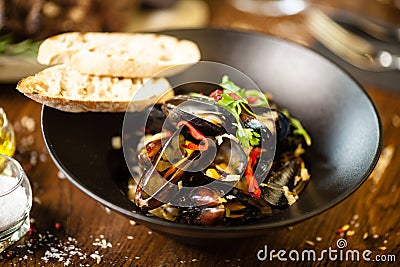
(69, 90)
(130, 55)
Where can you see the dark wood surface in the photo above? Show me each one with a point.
(70, 225)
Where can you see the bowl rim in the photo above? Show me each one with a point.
(153, 222)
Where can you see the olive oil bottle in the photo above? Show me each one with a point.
(7, 136)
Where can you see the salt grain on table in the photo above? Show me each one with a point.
(12, 205)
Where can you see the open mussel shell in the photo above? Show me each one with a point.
(174, 176)
(268, 115)
(149, 192)
(155, 119)
(245, 208)
(263, 123)
(283, 179)
(282, 125)
(202, 216)
(201, 113)
(242, 208)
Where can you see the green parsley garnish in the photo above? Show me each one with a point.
(298, 127)
(246, 136)
(231, 87)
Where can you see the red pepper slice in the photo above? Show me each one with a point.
(197, 135)
(193, 146)
(252, 183)
(234, 96)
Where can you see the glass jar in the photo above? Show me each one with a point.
(15, 202)
(7, 136)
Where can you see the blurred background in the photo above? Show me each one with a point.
(24, 23)
(38, 19)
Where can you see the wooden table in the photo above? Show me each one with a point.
(71, 228)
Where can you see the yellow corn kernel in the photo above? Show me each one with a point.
(212, 173)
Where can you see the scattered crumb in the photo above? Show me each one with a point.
(96, 257)
(116, 142)
(42, 157)
(129, 237)
(318, 239)
(60, 175)
(350, 232)
(37, 200)
(365, 236)
(343, 229)
(103, 243)
(396, 120)
(310, 243)
(132, 222)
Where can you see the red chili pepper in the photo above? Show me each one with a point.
(197, 135)
(31, 230)
(234, 96)
(193, 146)
(57, 226)
(9, 254)
(252, 183)
(216, 94)
(252, 99)
(254, 154)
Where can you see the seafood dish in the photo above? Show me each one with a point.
(228, 157)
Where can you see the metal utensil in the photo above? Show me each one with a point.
(350, 47)
(369, 26)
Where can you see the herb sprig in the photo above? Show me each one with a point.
(26, 47)
(234, 99)
(247, 136)
(298, 127)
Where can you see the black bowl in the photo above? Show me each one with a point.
(339, 115)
